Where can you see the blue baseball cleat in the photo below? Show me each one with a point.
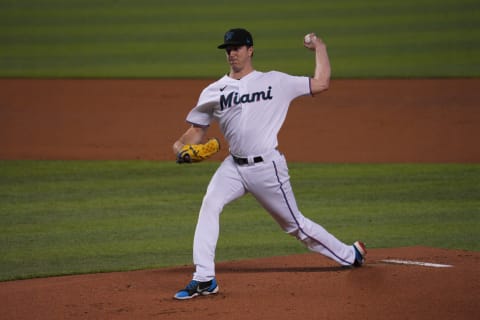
(196, 288)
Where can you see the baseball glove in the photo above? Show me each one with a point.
(198, 152)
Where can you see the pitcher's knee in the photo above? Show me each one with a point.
(297, 233)
(211, 204)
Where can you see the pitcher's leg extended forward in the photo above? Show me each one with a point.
(224, 187)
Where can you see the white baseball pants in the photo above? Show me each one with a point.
(269, 183)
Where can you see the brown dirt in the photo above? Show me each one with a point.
(355, 121)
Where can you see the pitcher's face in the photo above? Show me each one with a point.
(238, 57)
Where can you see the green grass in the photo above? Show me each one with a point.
(66, 217)
(159, 38)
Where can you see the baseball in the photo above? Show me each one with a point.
(309, 38)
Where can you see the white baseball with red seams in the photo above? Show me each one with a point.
(250, 113)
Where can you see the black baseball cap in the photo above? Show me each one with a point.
(236, 37)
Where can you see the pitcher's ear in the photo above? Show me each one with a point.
(251, 51)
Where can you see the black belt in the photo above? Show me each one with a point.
(242, 161)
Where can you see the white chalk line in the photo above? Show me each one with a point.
(417, 263)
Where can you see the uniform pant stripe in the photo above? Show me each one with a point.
(296, 221)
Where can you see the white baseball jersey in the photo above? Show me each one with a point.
(250, 111)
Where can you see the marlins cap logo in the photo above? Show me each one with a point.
(229, 36)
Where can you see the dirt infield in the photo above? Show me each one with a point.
(355, 121)
(296, 287)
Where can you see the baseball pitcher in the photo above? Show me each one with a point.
(250, 107)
